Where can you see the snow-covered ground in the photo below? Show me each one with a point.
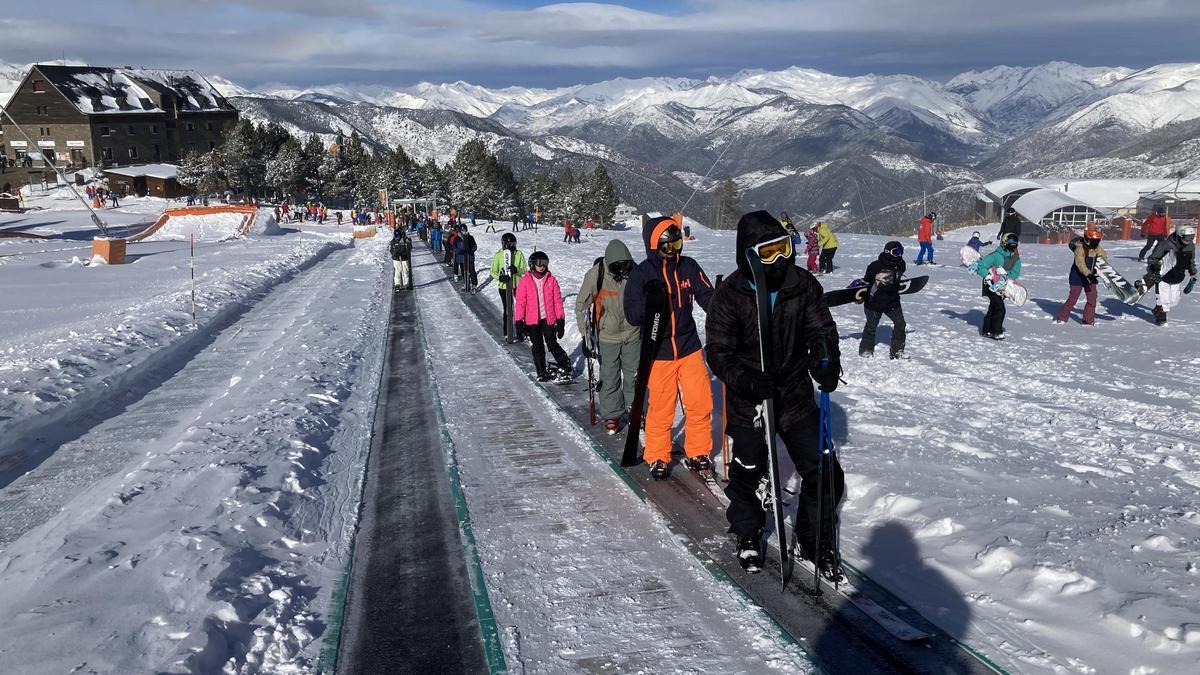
(179, 495)
(1051, 478)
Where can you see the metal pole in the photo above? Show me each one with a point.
(192, 266)
(95, 218)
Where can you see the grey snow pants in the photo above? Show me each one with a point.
(618, 372)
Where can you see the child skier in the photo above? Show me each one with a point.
(1007, 258)
(883, 298)
(602, 295)
(507, 278)
(812, 248)
(678, 369)
(1168, 287)
(805, 345)
(976, 243)
(1082, 277)
(539, 314)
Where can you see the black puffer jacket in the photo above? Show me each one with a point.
(1182, 252)
(800, 316)
(882, 294)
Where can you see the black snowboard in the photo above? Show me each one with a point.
(844, 296)
(653, 324)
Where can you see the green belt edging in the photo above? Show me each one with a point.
(489, 631)
(698, 553)
(328, 656)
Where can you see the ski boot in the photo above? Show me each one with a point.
(698, 464)
(562, 375)
(830, 566)
(659, 470)
(544, 377)
(1160, 316)
(749, 553)
(899, 355)
(866, 353)
(612, 425)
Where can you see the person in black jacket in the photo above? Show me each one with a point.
(804, 345)
(1010, 225)
(883, 297)
(401, 252)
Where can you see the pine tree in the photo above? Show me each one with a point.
(244, 163)
(600, 198)
(728, 205)
(310, 175)
(285, 170)
(203, 173)
(436, 185)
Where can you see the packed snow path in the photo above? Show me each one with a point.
(194, 525)
(582, 575)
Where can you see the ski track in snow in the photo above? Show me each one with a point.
(1051, 479)
(202, 526)
(582, 575)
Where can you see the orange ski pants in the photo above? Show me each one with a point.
(685, 378)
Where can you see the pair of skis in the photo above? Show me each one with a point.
(510, 324)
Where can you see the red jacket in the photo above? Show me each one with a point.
(1156, 225)
(525, 306)
(925, 233)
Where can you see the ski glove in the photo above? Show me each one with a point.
(825, 359)
(560, 328)
(519, 327)
(1190, 285)
(1093, 279)
(758, 384)
(504, 278)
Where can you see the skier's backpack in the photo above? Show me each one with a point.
(1075, 241)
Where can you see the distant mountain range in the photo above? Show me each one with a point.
(864, 150)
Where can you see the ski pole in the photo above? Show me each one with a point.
(192, 267)
(823, 444)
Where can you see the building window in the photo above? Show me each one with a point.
(131, 130)
(97, 103)
(190, 126)
(153, 129)
(157, 153)
(146, 105)
(132, 152)
(105, 131)
(208, 125)
(106, 154)
(39, 86)
(43, 110)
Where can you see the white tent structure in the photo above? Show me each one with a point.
(1054, 210)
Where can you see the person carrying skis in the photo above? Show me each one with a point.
(1156, 227)
(976, 243)
(448, 259)
(1082, 277)
(538, 313)
(925, 238)
(602, 295)
(1010, 225)
(883, 298)
(678, 369)
(1007, 258)
(401, 250)
(1168, 287)
(507, 278)
(804, 347)
(828, 242)
(464, 256)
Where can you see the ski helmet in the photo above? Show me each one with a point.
(539, 257)
(670, 241)
(1185, 230)
(508, 240)
(1011, 242)
(975, 234)
(894, 248)
(1092, 235)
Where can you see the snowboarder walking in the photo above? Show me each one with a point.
(1082, 277)
(883, 298)
(1010, 225)
(507, 277)
(1169, 287)
(804, 344)
(401, 250)
(1156, 227)
(925, 238)
(1007, 258)
(678, 370)
(828, 242)
(602, 295)
(539, 314)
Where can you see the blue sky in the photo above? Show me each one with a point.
(530, 43)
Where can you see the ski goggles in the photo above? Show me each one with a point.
(770, 251)
(897, 251)
(670, 247)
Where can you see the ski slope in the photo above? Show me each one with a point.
(1047, 484)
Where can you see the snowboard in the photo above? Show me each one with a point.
(654, 323)
(968, 256)
(1009, 289)
(765, 419)
(858, 289)
(1117, 284)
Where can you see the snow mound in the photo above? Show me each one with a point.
(204, 227)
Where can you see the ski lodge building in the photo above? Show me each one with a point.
(78, 117)
(1053, 205)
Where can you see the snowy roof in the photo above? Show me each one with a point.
(999, 189)
(164, 171)
(1100, 194)
(1035, 205)
(96, 90)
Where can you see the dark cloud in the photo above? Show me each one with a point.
(305, 42)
